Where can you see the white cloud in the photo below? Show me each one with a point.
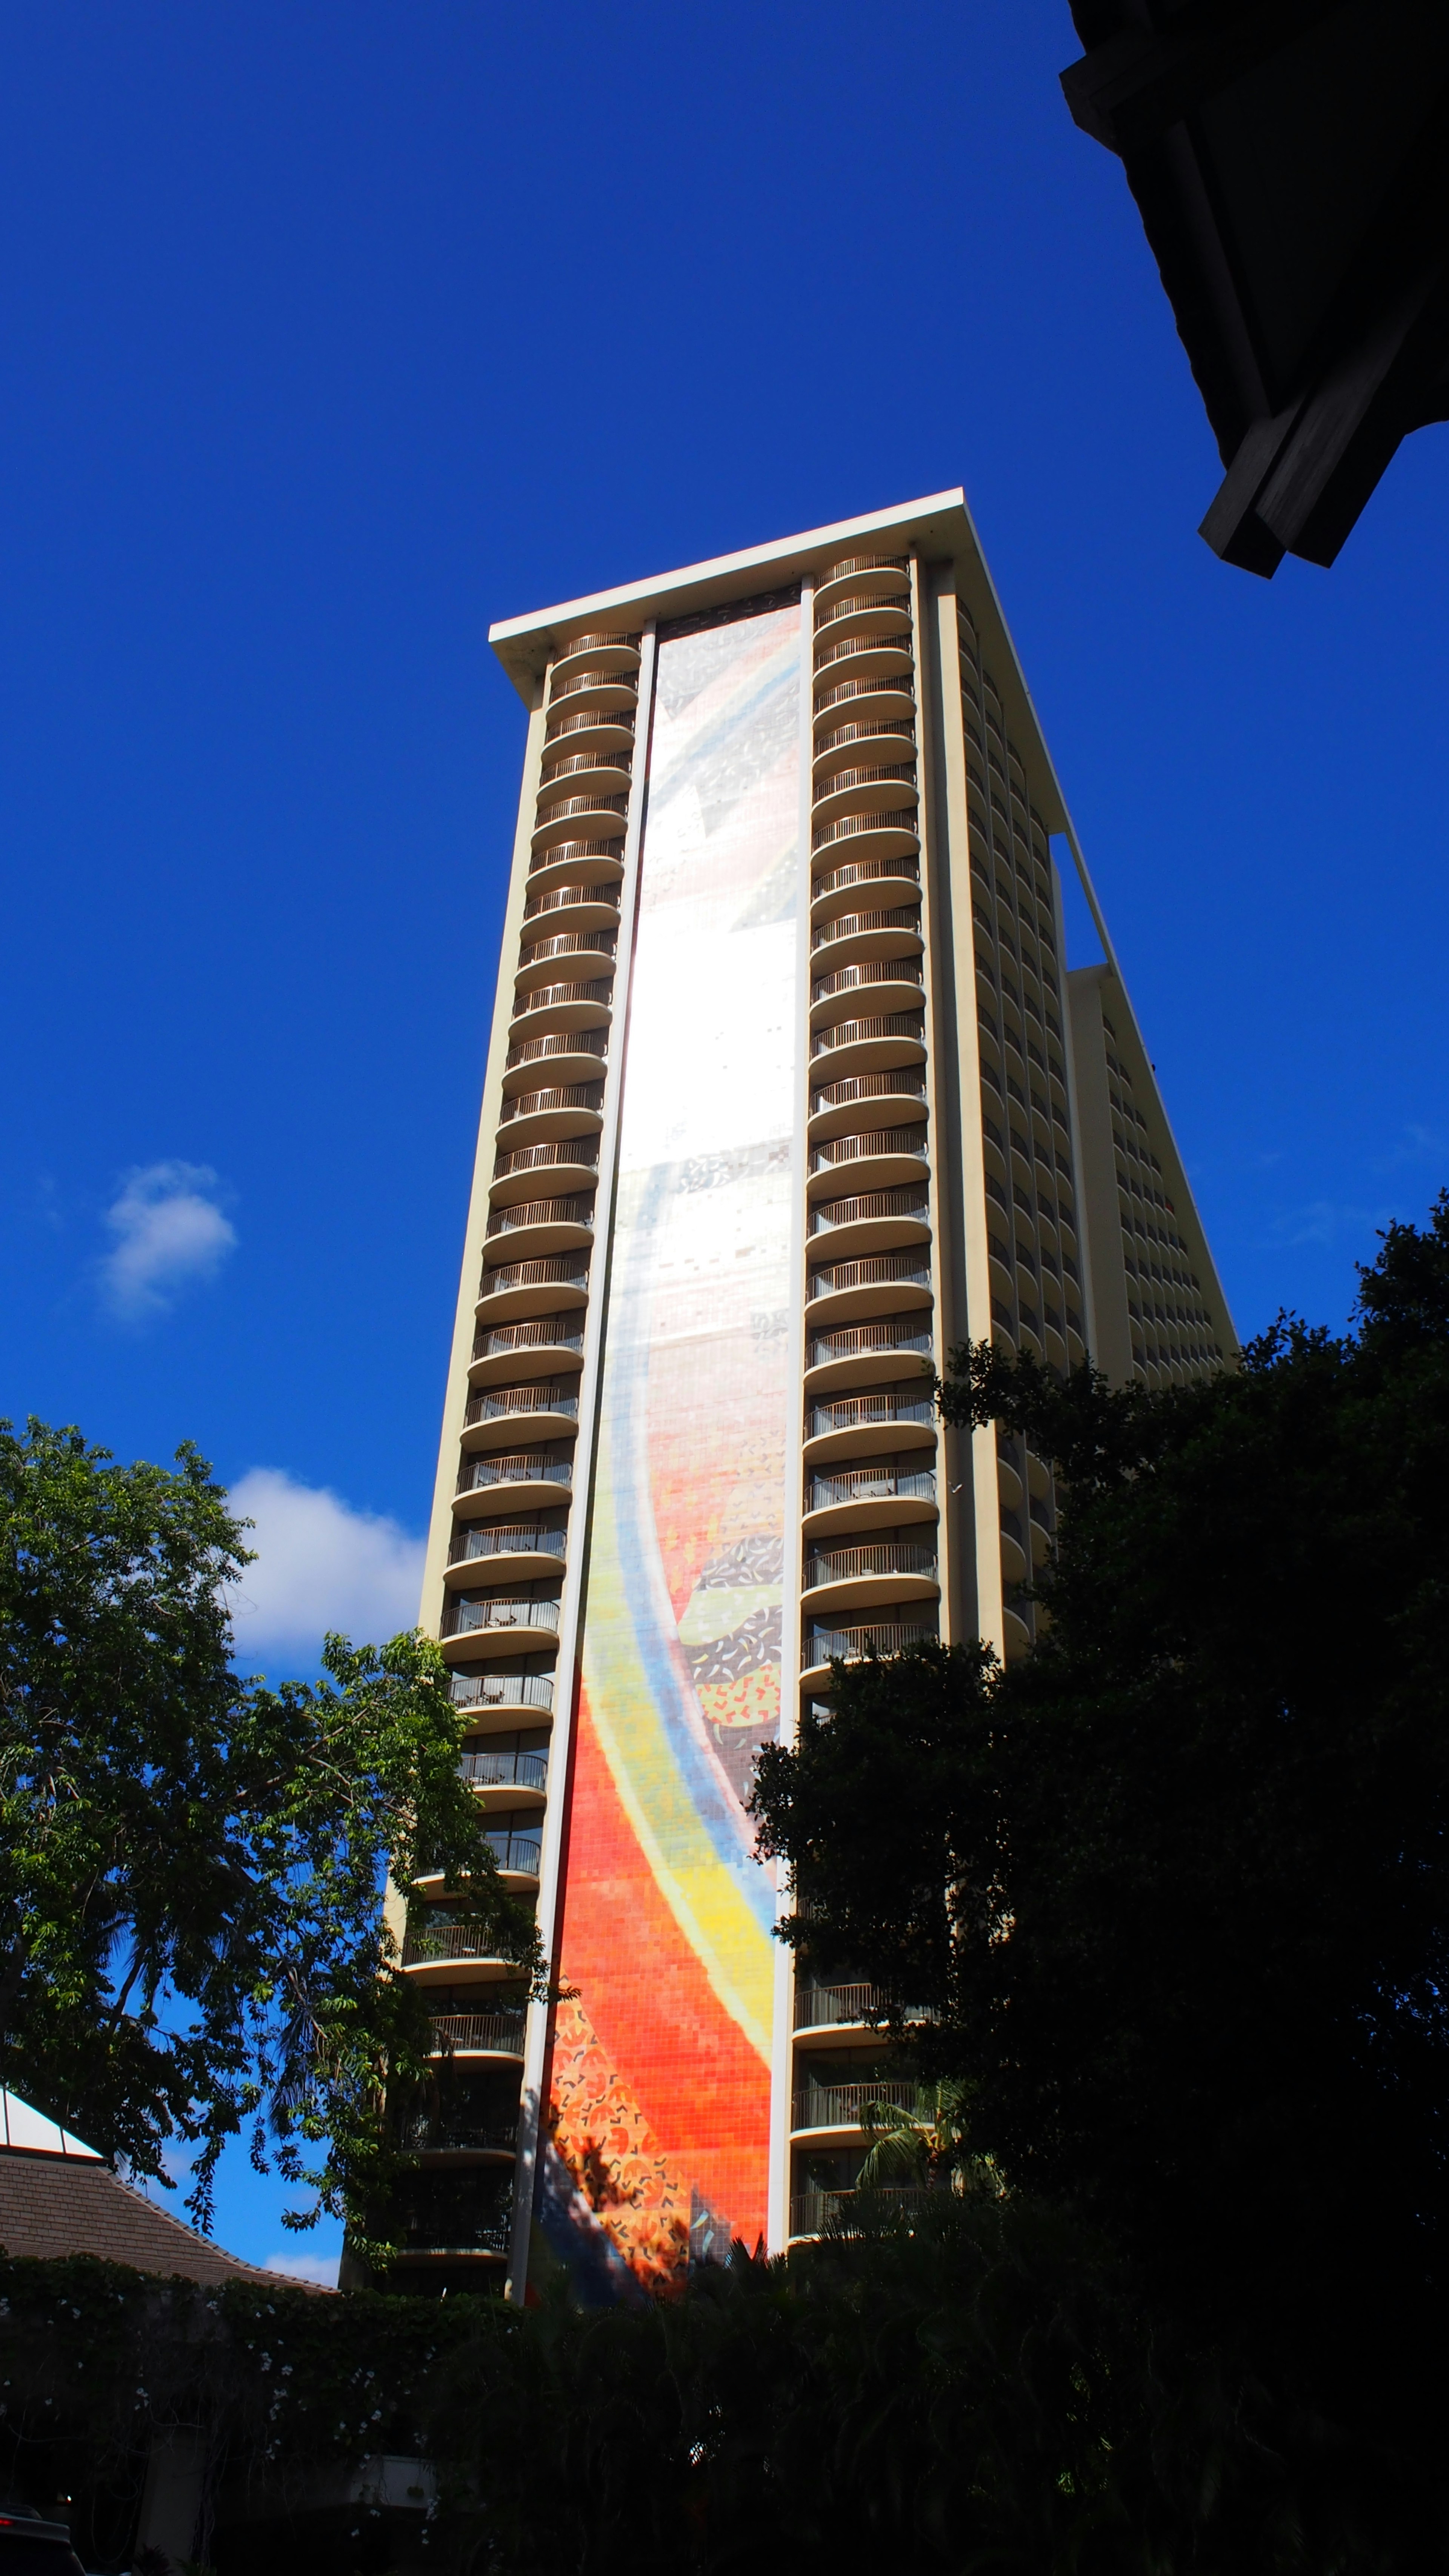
(167, 1232)
(321, 2268)
(319, 1565)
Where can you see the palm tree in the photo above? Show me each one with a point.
(926, 2145)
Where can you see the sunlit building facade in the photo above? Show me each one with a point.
(790, 1089)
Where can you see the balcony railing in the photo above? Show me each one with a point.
(829, 656)
(872, 729)
(566, 854)
(545, 1333)
(578, 808)
(853, 1645)
(829, 1214)
(564, 1095)
(819, 2006)
(549, 997)
(812, 2212)
(849, 1411)
(873, 970)
(878, 1266)
(850, 606)
(895, 773)
(502, 1690)
(581, 764)
(558, 1042)
(863, 1148)
(493, 1403)
(570, 943)
(487, 1768)
(553, 1269)
(851, 1339)
(844, 1033)
(577, 1151)
(840, 2106)
(524, 1467)
(902, 1084)
(902, 818)
(470, 1616)
(577, 681)
(566, 898)
(481, 2030)
(850, 925)
(462, 2235)
(584, 720)
(604, 640)
(424, 2135)
(863, 872)
(451, 1941)
(883, 1556)
(842, 691)
(520, 1540)
(520, 1852)
(872, 1485)
(572, 1211)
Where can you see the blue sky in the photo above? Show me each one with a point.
(333, 331)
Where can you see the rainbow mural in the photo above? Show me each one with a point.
(657, 2091)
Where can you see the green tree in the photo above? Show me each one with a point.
(1175, 1885)
(192, 1865)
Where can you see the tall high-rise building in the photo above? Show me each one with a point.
(789, 1090)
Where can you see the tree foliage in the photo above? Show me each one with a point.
(192, 1865)
(1174, 1886)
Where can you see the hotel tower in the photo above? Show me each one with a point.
(790, 1089)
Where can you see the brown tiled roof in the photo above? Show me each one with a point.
(66, 2205)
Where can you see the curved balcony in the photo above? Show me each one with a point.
(858, 1355)
(602, 773)
(519, 1625)
(812, 2213)
(839, 2109)
(478, 2034)
(565, 1055)
(551, 1115)
(435, 1952)
(888, 985)
(542, 959)
(1014, 1565)
(572, 1161)
(872, 1045)
(541, 1342)
(887, 576)
(595, 863)
(533, 1691)
(869, 938)
(881, 1494)
(857, 609)
(842, 1291)
(846, 2007)
(883, 1158)
(508, 1554)
(483, 2141)
(521, 1480)
(500, 1415)
(865, 791)
(883, 1573)
(486, 1766)
(610, 688)
(531, 1287)
(880, 656)
(835, 1106)
(545, 1225)
(871, 882)
(581, 818)
(583, 907)
(888, 738)
(601, 650)
(890, 833)
(861, 1426)
(590, 729)
(558, 1010)
(872, 1220)
(873, 693)
(824, 1645)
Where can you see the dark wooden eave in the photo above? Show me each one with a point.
(1290, 161)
